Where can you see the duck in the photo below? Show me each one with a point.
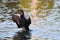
(22, 21)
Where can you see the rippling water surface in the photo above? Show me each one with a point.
(46, 26)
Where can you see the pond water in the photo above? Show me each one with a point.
(43, 30)
(46, 26)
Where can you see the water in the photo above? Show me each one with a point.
(24, 35)
(47, 28)
(42, 30)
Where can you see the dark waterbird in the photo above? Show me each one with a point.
(23, 21)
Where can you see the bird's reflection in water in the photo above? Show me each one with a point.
(24, 35)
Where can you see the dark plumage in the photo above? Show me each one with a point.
(16, 19)
(22, 21)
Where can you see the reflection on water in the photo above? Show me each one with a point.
(24, 35)
(48, 29)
